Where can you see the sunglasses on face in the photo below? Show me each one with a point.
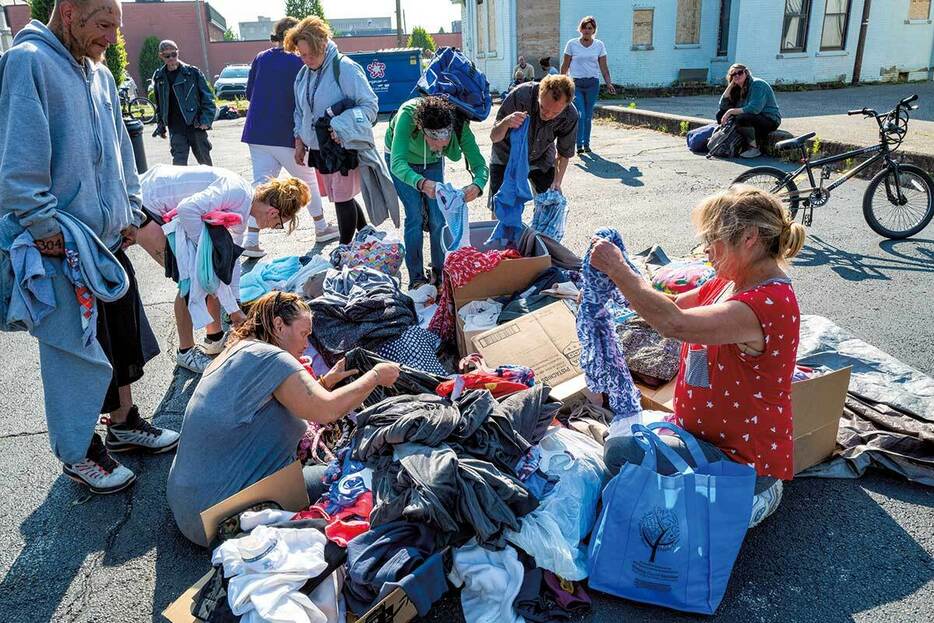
(737, 73)
(170, 55)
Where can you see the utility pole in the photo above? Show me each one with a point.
(202, 27)
(400, 33)
(861, 43)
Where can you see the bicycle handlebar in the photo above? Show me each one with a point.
(909, 100)
(864, 111)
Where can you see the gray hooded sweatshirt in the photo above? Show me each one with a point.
(63, 145)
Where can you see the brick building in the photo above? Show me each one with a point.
(661, 42)
(200, 33)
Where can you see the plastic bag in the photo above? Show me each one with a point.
(553, 532)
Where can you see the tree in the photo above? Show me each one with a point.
(149, 60)
(300, 9)
(116, 59)
(441, 30)
(230, 35)
(421, 39)
(659, 528)
(41, 9)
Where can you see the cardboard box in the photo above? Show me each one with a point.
(546, 341)
(816, 405)
(509, 277)
(286, 488)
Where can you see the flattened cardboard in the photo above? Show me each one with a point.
(816, 405)
(286, 487)
(179, 611)
(509, 277)
(545, 340)
(396, 607)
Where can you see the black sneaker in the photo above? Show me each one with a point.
(138, 434)
(99, 472)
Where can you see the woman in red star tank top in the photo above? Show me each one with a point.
(740, 335)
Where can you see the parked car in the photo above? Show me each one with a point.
(231, 82)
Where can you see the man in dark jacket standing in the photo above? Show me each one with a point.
(184, 105)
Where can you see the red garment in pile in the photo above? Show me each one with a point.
(497, 385)
(746, 410)
(345, 524)
(460, 268)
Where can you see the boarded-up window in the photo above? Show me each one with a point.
(481, 27)
(795, 26)
(642, 27)
(919, 9)
(687, 24)
(836, 19)
(491, 26)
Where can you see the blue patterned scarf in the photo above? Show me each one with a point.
(601, 358)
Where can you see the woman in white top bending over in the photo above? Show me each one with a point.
(585, 62)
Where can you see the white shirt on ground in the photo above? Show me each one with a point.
(584, 59)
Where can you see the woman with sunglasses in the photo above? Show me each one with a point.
(249, 411)
(749, 103)
(192, 192)
(740, 332)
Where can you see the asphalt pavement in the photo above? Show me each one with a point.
(835, 551)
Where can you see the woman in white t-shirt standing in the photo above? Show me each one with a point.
(585, 62)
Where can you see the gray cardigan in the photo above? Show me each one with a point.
(316, 90)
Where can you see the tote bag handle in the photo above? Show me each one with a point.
(700, 459)
(652, 444)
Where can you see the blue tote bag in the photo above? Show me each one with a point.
(671, 540)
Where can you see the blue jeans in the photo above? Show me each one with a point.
(584, 100)
(412, 228)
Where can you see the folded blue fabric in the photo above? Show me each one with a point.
(601, 358)
(266, 277)
(510, 199)
(33, 298)
(454, 210)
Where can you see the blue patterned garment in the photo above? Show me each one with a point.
(601, 358)
(551, 214)
(510, 199)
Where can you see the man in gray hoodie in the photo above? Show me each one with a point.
(64, 149)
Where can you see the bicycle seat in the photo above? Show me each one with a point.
(795, 142)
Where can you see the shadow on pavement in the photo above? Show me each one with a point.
(859, 267)
(72, 539)
(610, 170)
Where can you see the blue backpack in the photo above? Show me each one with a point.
(698, 137)
(453, 76)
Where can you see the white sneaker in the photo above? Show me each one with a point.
(99, 472)
(194, 360)
(254, 251)
(765, 503)
(138, 434)
(752, 152)
(328, 233)
(211, 348)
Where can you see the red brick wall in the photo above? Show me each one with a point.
(179, 21)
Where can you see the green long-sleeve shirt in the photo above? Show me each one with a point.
(406, 146)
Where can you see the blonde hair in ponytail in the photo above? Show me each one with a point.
(287, 195)
(725, 215)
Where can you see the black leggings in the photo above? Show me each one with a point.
(762, 124)
(350, 219)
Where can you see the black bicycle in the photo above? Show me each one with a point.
(139, 108)
(899, 201)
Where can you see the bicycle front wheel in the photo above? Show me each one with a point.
(899, 210)
(141, 108)
(771, 179)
